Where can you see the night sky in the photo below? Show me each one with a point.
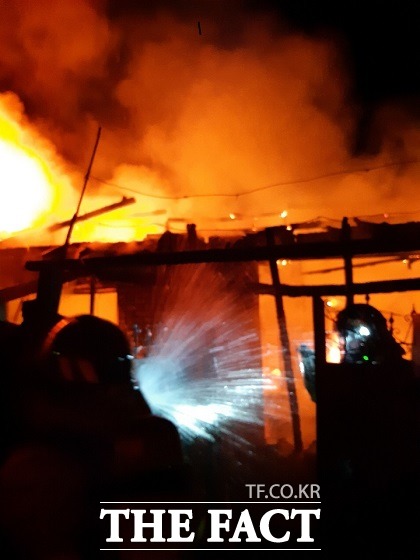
(381, 44)
(380, 39)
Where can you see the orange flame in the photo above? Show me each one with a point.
(27, 191)
(113, 231)
(35, 193)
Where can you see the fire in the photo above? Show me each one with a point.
(39, 190)
(114, 231)
(27, 190)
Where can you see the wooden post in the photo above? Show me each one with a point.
(319, 331)
(318, 317)
(82, 194)
(285, 348)
(348, 266)
(50, 283)
(92, 292)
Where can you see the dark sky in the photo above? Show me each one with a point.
(381, 38)
(382, 43)
(379, 41)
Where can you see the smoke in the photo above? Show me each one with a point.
(243, 104)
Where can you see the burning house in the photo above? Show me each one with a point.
(209, 226)
(202, 305)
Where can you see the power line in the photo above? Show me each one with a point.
(261, 188)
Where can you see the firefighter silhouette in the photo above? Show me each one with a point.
(86, 435)
(368, 435)
(87, 349)
(365, 340)
(365, 336)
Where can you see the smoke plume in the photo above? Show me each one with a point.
(200, 98)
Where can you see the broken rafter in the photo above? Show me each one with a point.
(123, 202)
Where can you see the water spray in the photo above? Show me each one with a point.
(203, 369)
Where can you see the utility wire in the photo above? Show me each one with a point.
(262, 188)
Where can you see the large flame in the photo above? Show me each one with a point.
(27, 189)
(35, 192)
(113, 230)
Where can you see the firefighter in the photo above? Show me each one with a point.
(365, 336)
(86, 435)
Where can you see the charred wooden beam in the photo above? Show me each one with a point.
(377, 287)
(88, 215)
(285, 347)
(19, 291)
(347, 255)
(297, 251)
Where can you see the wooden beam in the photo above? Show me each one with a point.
(285, 348)
(94, 213)
(18, 291)
(377, 287)
(23, 235)
(348, 264)
(294, 251)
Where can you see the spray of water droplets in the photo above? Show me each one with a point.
(203, 368)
